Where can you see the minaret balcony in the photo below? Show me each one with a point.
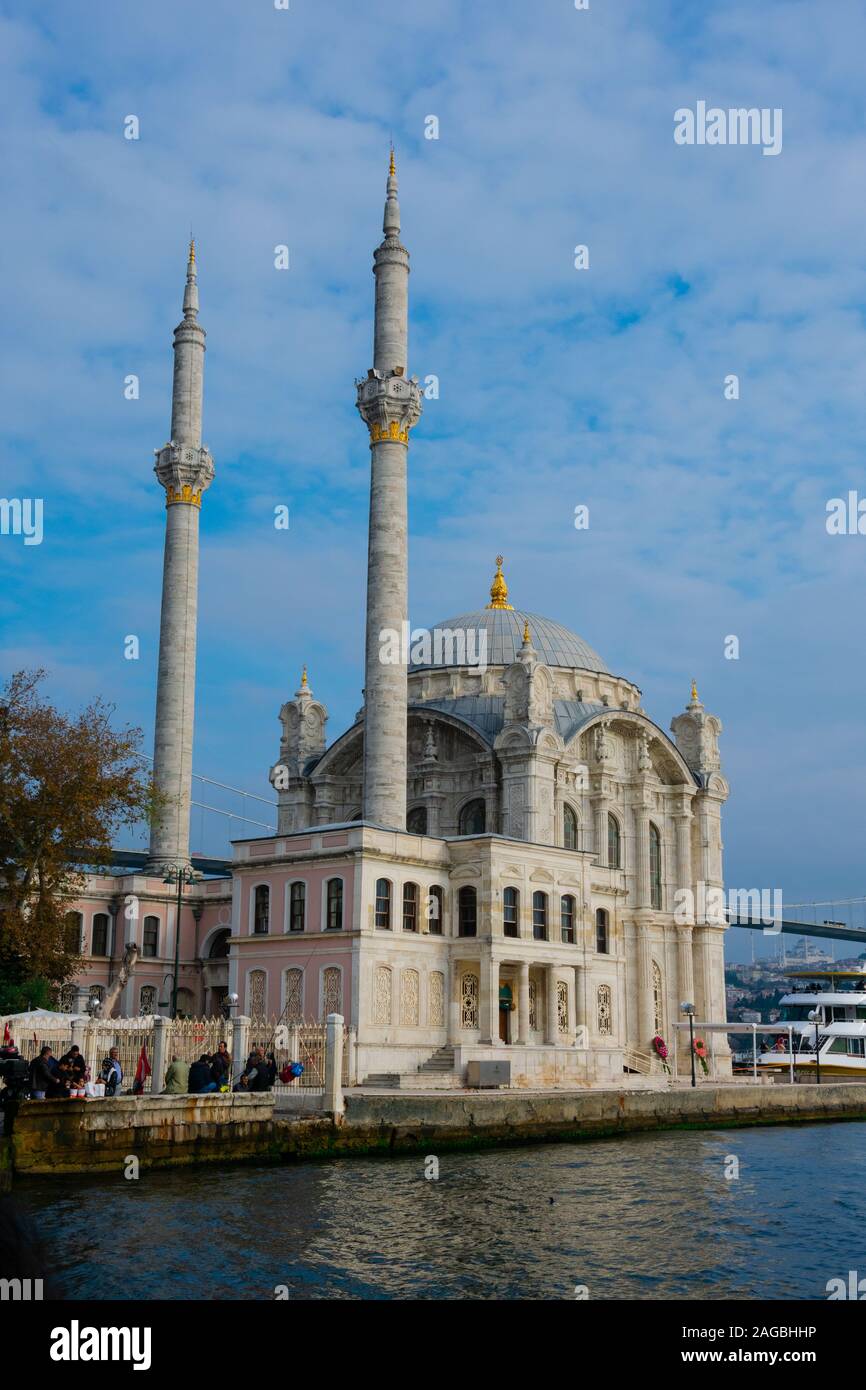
(185, 472)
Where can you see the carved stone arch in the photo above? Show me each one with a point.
(669, 762)
(515, 739)
(541, 876)
(466, 873)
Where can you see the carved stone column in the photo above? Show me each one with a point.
(646, 1016)
(523, 1003)
(489, 1001)
(551, 1030)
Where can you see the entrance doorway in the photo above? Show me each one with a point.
(505, 1004)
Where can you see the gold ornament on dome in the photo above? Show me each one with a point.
(499, 589)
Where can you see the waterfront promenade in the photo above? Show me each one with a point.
(99, 1136)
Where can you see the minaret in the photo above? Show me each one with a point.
(185, 469)
(390, 404)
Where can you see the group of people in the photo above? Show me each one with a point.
(68, 1077)
(212, 1072)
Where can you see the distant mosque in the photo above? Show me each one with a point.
(483, 867)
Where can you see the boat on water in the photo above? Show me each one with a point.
(838, 1040)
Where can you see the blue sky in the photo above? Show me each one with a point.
(558, 387)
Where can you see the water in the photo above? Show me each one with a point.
(645, 1217)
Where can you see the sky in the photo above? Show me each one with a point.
(558, 387)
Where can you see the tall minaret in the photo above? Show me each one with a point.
(185, 469)
(390, 404)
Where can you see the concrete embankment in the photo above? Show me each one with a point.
(55, 1137)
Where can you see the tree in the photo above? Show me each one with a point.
(67, 785)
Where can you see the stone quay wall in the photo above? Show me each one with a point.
(56, 1137)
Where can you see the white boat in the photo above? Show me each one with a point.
(839, 998)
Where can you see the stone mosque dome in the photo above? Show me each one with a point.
(505, 625)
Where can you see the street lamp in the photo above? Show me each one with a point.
(180, 874)
(689, 1011)
(815, 1017)
(230, 1002)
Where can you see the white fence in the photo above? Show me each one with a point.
(189, 1039)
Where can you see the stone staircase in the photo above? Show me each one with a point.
(436, 1074)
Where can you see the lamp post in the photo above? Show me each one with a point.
(815, 1017)
(180, 874)
(689, 1010)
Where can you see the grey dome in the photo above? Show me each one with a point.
(554, 644)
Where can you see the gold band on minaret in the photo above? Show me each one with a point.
(499, 588)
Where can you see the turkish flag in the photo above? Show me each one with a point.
(142, 1071)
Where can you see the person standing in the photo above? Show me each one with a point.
(221, 1065)
(41, 1074)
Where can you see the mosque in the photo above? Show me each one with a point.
(483, 867)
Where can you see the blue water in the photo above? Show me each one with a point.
(645, 1217)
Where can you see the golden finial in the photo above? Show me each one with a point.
(392, 168)
(695, 700)
(526, 636)
(304, 678)
(192, 251)
(499, 588)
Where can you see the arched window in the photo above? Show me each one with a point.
(257, 985)
(382, 995)
(473, 818)
(262, 910)
(220, 945)
(332, 991)
(383, 903)
(566, 918)
(435, 910)
(539, 916)
(614, 843)
(561, 1006)
(416, 821)
(602, 943)
(99, 939)
(467, 912)
(511, 912)
(297, 906)
(335, 904)
(294, 1009)
(604, 1011)
(658, 999)
(73, 933)
(436, 999)
(655, 858)
(469, 1001)
(410, 999)
(410, 907)
(150, 937)
(569, 828)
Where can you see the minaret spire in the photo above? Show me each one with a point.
(390, 404)
(185, 469)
